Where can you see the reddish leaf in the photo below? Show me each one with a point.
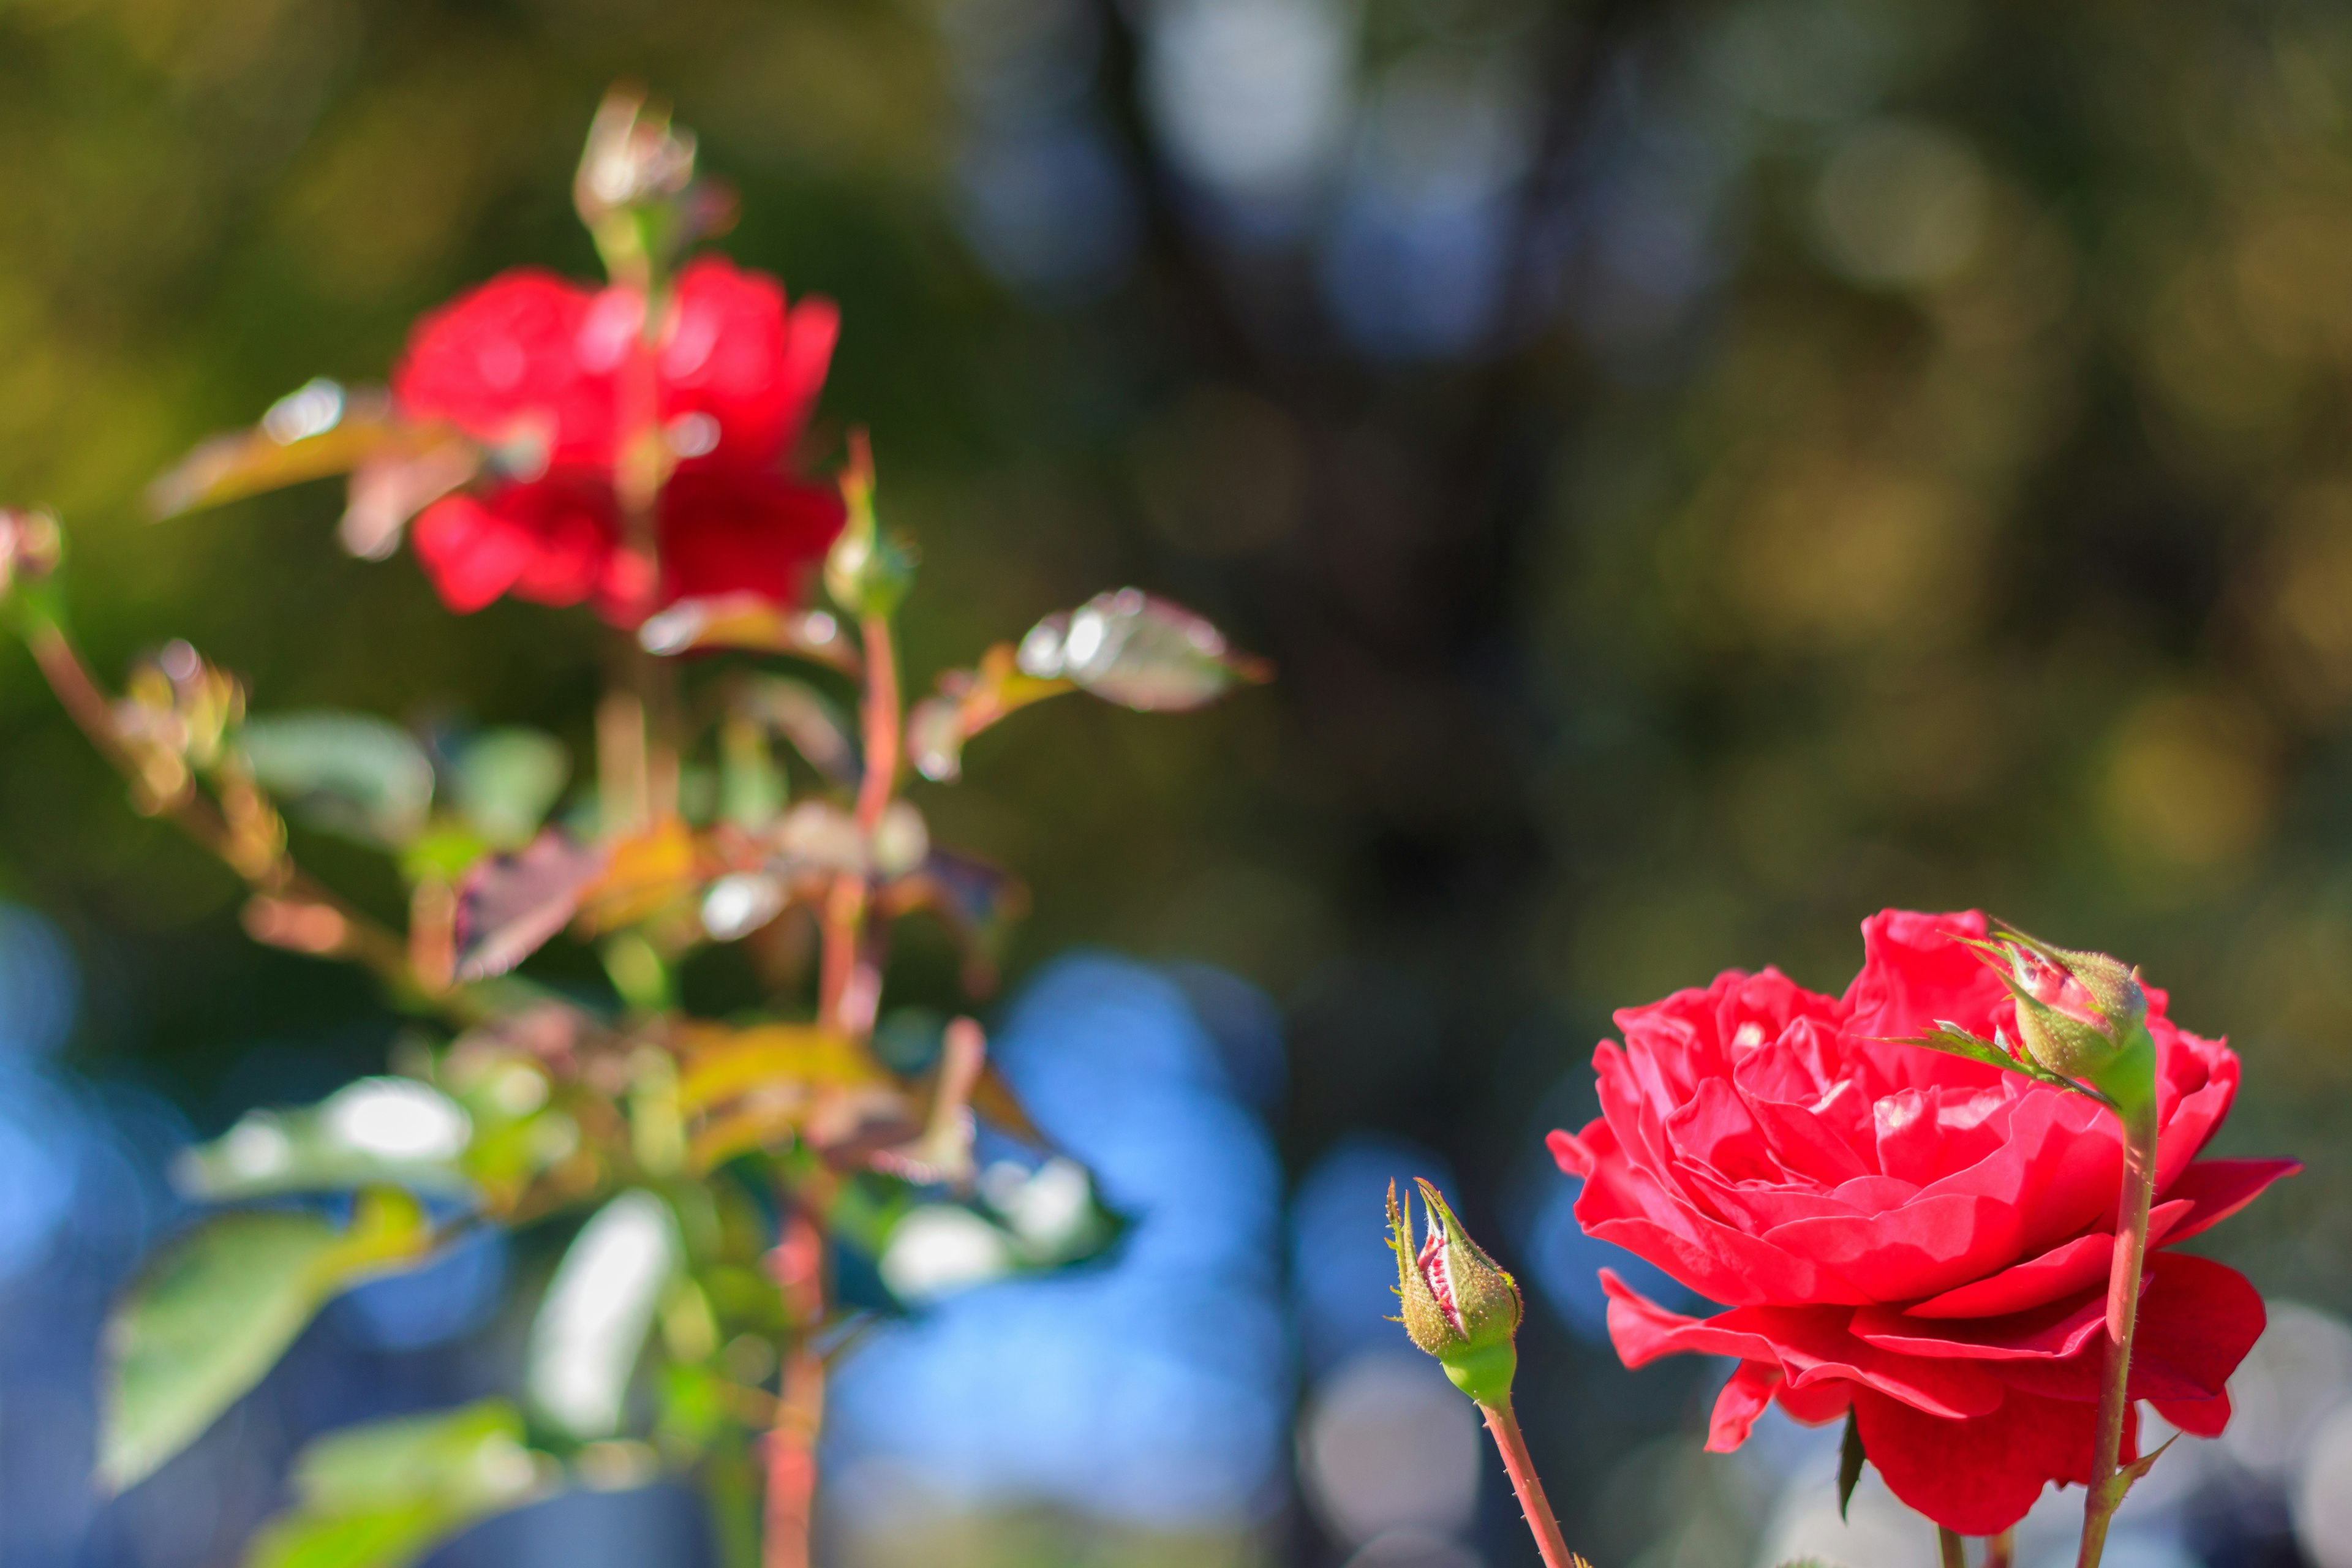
(509, 905)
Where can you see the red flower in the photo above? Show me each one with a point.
(534, 360)
(1918, 1238)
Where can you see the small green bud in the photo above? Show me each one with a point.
(1458, 1305)
(2080, 1014)
(865, 574)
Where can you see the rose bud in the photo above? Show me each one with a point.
(867, 573)
(30, 547)
(1458, 1305)
(2077, 1012)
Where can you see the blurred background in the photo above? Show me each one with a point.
(1704, 472)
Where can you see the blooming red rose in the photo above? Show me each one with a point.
(536, 361)
(1917, 1237)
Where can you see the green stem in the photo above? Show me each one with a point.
(2107, 1486)
(1947, 1540)
(1504, 1425)
(2001, 1550)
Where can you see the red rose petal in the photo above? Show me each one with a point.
(1811, 1346)
(2198, 1418)
(2220, 1188)
(1743, 1399)
(1977, 1477)
(2069, 1266)
(470, 554)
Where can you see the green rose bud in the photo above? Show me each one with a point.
(865, 574)
(2082, 1016)
(1458, 1305)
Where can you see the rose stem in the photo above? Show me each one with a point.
(1948, 1541)
(846, 980)
(1504, 1425)
(799, 1263)
(2001, 1550)
(2107, 1489)
(880, 716)
(86, 704)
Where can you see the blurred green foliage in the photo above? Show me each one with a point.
(1975, 529)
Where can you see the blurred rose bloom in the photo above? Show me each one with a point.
(535, 365)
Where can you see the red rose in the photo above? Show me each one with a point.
(532, 356)
(1918, 1238)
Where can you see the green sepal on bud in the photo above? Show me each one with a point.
(2082, 1020)
(1458, 1304)
(865, 572)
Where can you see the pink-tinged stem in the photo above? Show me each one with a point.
(2000, 1550)
(790, 1515)
(881, 723)
(1504, 1425)
(1947, 1543)
(2107, 1485)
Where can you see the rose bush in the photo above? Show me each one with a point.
(536, 364)
(1918, 1239)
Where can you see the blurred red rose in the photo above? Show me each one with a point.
(534, 362)
(1918, 1238)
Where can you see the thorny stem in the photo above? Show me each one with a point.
(346, 933)
(881, 723)
(1948, 1541)
(2107, 1486)
(1504, 1425)
(847, 976)
(799, 1264)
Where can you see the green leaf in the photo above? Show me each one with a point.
(218, 1309)
(1137, 651)
(376, 1131)
(382, 1494)
(1850, 1461)
(505, 782)
(350, 774)
(1955, 1041)
(319, 428)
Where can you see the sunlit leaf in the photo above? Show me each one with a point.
(376, 1131)
(509, 905)
(1138, 651)
(751, 622)
(722, 1063)
(643, 875)
(321, 428)
(504, 782)
(381, 1494)
(350, 773)
(753, 1088)
(1955, 1041)
(593, 1321)
(806, 719)
(213, 1314)
(969, 702)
